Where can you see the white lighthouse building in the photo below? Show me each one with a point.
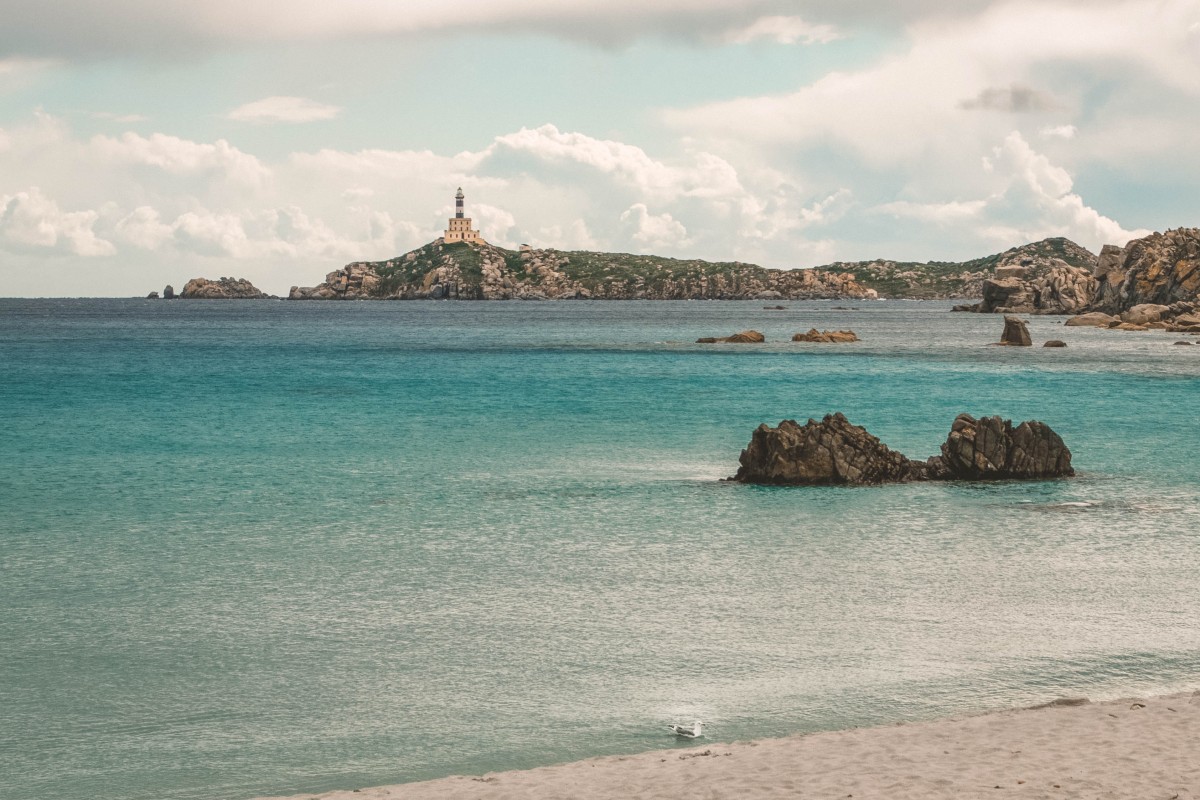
(459, 229)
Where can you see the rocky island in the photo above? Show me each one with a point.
(480, 271)
(223, 289)
(836, 452)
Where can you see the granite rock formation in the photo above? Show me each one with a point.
(1055, 343)
(825, 337)
(832, 451)
(1162, 268)
(836, 452)
(168, 292)
(745, 337)
(1015, 334)
(1062, 289)
(991, 449)
(223, 289)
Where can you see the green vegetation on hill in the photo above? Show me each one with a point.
(464, 269)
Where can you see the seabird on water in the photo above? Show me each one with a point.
(694, 732)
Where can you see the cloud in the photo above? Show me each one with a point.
(31, 221)
(182, 156)
(706, 175)
(1058, 132)
(1012, 99)
(1032, 199)
(653, 230)
(783, 30)
(283, 109)
(110, 116)
(907, 105)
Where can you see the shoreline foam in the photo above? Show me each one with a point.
(1136, 748)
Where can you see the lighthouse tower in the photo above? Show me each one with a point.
(459, 229)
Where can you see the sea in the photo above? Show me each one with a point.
(261, 548)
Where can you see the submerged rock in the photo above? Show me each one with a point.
(745, 337)
(1055, 343)
(814, 335)
(836, 452)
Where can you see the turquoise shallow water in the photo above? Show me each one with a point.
(265, 547)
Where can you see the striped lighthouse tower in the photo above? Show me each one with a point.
(459, 229)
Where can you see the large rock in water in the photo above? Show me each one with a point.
(831, 451)
(836, 452)
(991, 449)
(1015, 333)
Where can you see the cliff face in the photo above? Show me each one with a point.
(224, 289)
(485, 272)
(1162, 269)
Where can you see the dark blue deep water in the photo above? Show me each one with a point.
(264, 547)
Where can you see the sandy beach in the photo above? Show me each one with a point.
(1143, 748)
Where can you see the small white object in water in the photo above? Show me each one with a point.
(694, 732)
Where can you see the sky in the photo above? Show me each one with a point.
(144, 143)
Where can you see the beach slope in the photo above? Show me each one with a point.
(1139, 749)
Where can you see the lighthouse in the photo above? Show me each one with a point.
(459, 229)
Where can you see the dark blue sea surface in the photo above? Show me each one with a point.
(264, 547)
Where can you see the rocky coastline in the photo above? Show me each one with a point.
(470, 271)
(1151, 281)
(1053, 276)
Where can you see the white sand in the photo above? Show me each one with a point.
(1143, 749)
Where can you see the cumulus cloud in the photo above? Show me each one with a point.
(182, 156)
(31, 221)
(283, 109)
(1012, 99)
(783, 30)
(1032, 199)
(704, 175)
(653, 230)
(908, 105)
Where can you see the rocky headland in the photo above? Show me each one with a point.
(469, 271)
(836, 452)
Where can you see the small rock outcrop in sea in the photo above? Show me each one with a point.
(836, 452)
(745, 337)
(152, 296)
(829, 337)
(991, 449)
(1015, 334)
(224, 289)
(1055, 343)
(169, 292)
(832, 451)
